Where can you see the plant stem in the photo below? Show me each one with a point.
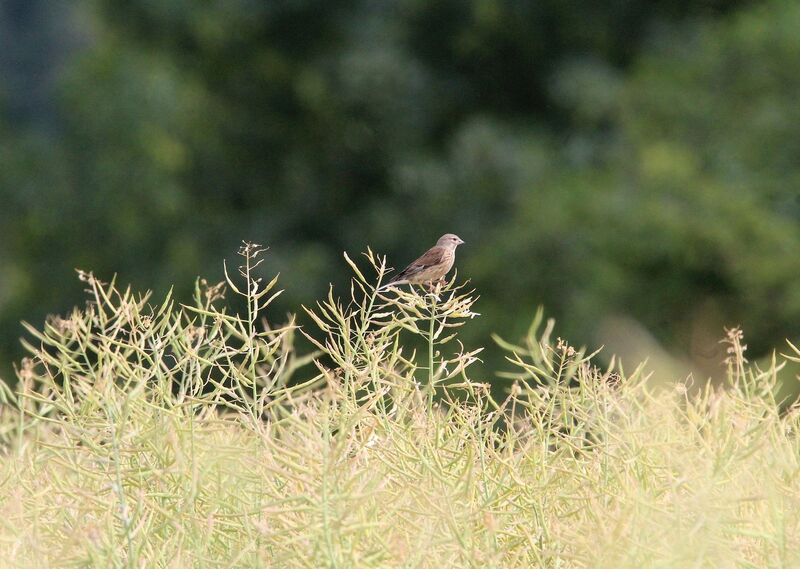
(431, 378)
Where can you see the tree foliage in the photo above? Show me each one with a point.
(623, 157)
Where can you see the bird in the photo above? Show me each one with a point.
(432, 266)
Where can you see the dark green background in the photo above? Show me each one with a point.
(615, 158)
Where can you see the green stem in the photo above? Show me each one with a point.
(252, 309)
(125, 514)
(431, 378)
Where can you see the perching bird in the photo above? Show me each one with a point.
(433, 265)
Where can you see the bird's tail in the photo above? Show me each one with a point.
(396, 280)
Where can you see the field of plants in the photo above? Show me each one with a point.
(145, 433)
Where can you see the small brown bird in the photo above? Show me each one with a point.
(431, 266)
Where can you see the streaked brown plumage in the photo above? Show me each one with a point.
(433, 265)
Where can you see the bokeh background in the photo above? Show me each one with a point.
(633, 166)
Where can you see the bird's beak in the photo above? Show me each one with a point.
(461, 241)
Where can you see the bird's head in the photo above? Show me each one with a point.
(450, 240)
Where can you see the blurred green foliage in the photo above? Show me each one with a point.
(614, 157)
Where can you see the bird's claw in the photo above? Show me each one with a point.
(434, 287)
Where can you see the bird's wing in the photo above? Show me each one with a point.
(431, 257)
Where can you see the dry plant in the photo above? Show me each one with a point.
(145, 435)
